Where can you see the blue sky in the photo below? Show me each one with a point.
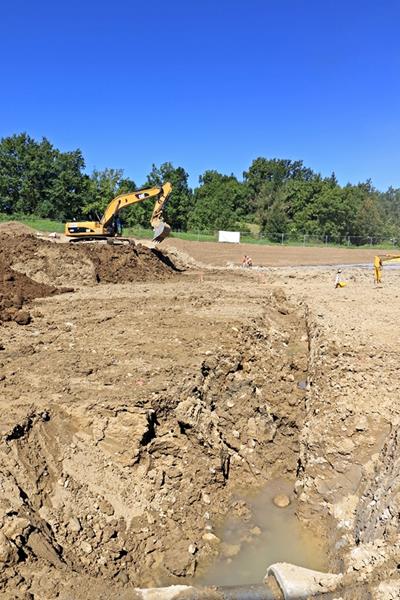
(207, 84)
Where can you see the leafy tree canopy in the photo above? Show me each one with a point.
(281, 195)
(219, 202)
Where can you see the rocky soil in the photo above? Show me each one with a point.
(134, 408)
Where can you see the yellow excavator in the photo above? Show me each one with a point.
(109, 226)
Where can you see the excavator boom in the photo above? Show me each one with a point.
(108, 227)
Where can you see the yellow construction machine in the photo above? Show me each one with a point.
(109, 226)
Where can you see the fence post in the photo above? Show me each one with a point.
(282, 235)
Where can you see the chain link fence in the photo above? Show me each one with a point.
(284, 239)
(305, 239)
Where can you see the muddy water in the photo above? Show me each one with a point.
(271, 535)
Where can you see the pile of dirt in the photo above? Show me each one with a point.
(127, 263)
(15, 228)
(15, 290)
(58, 264)
(182, 260)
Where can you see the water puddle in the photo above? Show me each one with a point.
(271, 535)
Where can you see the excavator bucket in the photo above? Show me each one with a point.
(161, 232)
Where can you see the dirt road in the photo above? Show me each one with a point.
(132, 412)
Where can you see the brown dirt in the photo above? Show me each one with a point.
(85, 263)
(15, 228)
(118, 364)
(220, 254)
(132, 412)
(16, 289)
(32, 268)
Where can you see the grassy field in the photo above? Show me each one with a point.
(40, 224)
(47, 225)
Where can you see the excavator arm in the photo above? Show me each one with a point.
(106, 226)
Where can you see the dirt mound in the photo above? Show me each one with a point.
(183, 260)
(15, 228)
(85, 263)
(126, 264)
(15, 290)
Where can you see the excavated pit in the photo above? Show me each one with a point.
(134, 415)
(124, 486)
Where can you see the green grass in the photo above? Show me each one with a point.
(47, 225)
(138, 232)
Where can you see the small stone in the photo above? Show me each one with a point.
(255, 531)
(74, 524)
(206, 499)
(22, 317)
(362, 424)
(192, 549)
(86, 547)
(89, 533)
(122, 577)
(106, 507)
(8, 552)
(210, 537)
(281, 500)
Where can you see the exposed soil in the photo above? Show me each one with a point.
(83, 263)
(15, 228)
(16, 289)
(132, 411)
(219, 254)
(32, 268)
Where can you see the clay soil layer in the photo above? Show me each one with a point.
(134, 407)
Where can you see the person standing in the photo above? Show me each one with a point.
(377, 269)
(338, 282)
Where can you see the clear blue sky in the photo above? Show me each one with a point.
(207, 84)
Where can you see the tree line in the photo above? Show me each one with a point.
(279, 196)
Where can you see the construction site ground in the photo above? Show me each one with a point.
(223, 254)
(140, 399)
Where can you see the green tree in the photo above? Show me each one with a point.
(275, 171)
(37, 178)
(218, 202)
(103, 187)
